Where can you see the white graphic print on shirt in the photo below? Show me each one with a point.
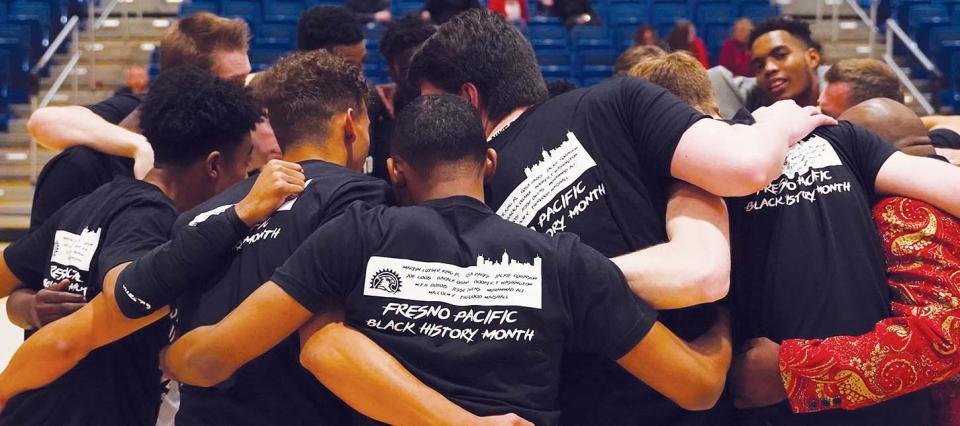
(805, 177)
(486, 297)
(71, 258)
(554, 188)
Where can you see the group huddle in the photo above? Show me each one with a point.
(531, 260)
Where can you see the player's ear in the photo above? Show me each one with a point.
(490, 165)
(349, 127)
(213, 165)
(395, 170)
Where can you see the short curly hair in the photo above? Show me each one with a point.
(189, 113)
(304, 90)
(323, 27)
(404, 34)
(798, 29)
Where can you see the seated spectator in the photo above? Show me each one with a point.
(137, 81)
(646, 35)
(440, 11)
(571, 12)
(370, 10)
(735, 54)
(852, 81)
(334, 29)
(513, 10)
(634, 55)
(684, 37)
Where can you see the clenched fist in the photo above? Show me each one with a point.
(278, 182)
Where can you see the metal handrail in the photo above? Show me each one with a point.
(71, 64)
(894, 30)
(104, 14)
(893, 27)
(870, 20)
(55, 45)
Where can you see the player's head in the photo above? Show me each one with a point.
(785, 59)
(635, 55)
(894, 122)
(332, 28)
(684, 76)
(479, 56)
(316, 98)
(197, 125)
(218, 45)
(438, 141)
(852, 81)
(400, 41)
(265, 145)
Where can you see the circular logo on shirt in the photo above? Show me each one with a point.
(386, 280)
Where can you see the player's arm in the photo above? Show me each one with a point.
(690, 374)
(56, 348)
(920, 178)
(210, 354)
(694, 266)
(738, 160)
(8, 281)
(950, 122)
(59, 128)
(359, 371)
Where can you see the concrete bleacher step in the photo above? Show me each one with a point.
(136, 28)
(850, 30)
(840, 50)
(808, 8)
(85, 96)
(145, 7)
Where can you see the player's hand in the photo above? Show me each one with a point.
(142, 160)
(55, 302)
(788, 117)
(503, 420)
(756, 375)
(278, 182)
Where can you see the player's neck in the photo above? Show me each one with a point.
(491, 129)
(179, 186)
(466, 186)
(310, 151)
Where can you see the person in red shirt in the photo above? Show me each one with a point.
(735, 53)
(914, 349)
(684, 37)
(513, 10)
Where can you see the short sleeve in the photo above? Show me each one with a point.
(607, 317)
(72, 173)
(658, 119)
(868, 150)
(320, 273)
(116, 108)
(945, 138)
(28, 257)
(370, 191)
(135, 231)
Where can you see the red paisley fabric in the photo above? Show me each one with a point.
(912, 350)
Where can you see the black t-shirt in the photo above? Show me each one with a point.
(476, 307)
(272, 389)
(596, 162)
(807, 261)
(78, 171)
(945, 138)
(118, 384)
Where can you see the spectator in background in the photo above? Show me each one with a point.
(440, 11)
(684, 37)
(397, 45)
(571, 12)
(852, 81)
(137, 81)
(334, 29)
(735, 54)
(646, 35)
(635, 55)
(514, 10)
(370, 10)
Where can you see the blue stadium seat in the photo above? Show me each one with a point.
(554, 63)
(544, 20)
(262, 57)
(759, 12)
(594, 63)
(15, 45)
(899, 9)
(35, 14)
(630, 13)
(623, 35)
(282, 11)
(372, 33)
(404, 7)
(280, 36)
(921, 19)
(249, 11)
(666, 15)
(591, 36)
(943, 41)
(548, 35)
(716, 13)
(199, 6)
(714, 36)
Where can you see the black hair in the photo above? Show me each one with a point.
(559, 87)
(303, 91)
(189, 113)
(478, 46)
(798, 29)
(323, 27)
(438, 129)
(404, 34)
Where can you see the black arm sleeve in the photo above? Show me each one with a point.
(158, 277)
